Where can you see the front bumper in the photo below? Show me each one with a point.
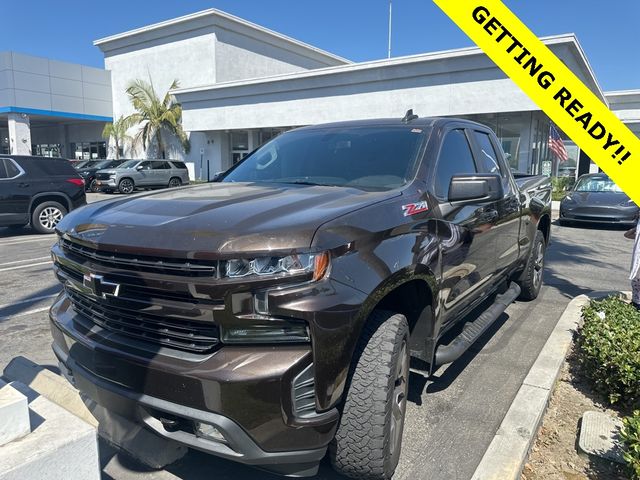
(245, 392)
(595, 214)
(106, 184)
(152, 412)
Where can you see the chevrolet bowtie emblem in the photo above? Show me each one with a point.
(99, 287)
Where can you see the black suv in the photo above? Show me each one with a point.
(88, 171)
(38, 190)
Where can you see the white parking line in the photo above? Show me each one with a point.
(24, 266)
(25, 260)
(28, 300)
(22, 314)
(19, 241)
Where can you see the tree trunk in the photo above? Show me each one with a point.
(115, 141)
(160, 144)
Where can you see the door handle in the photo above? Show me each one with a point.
(23, 185)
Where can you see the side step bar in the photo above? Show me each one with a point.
(473, 330)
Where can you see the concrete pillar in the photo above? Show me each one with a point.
(19, 134)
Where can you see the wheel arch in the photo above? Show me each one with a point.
(40, 198)
(544, 225)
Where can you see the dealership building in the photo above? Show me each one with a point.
(241, 84)
(52, 108)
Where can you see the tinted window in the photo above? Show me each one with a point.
(369, 157)
(489, 159)
(130, 163)
(160, 165)
(145, 165)
(3, 169)
(455, 158)
(12, 169)
(47, 166)
(179, 165)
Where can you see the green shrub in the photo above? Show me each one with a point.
(609, 349)
(560, 186)
(631, 437)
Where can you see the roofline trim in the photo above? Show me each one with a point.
(214, 12)
(55, 113)
(568, 38)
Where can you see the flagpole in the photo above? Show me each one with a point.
(389, 46)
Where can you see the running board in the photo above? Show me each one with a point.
(473, 330)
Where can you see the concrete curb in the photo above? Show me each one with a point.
(509, 449)
(151, 449)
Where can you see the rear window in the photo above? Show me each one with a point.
(179, 165)
(8, 169)
(46, 166)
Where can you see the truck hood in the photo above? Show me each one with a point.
(215, 219)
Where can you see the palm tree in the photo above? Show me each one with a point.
(156, 116)
(118, 131)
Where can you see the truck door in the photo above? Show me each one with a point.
(465, 230)
(507, 210)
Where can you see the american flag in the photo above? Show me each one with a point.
(556, 145)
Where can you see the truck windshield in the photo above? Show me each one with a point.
(369, 158)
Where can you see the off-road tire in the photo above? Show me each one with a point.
(126, 186)
(362, 447)
(531, 280)
(46, 216)
(174, 182)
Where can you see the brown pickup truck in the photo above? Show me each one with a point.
(269, 317)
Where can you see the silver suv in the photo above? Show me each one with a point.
(142, 173)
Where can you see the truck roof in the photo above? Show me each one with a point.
(417, 122)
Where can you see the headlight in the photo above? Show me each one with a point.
(628, 203)
(275, 331)
(296, 264)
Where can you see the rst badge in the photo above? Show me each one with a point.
(413, 208)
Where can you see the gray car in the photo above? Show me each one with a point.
(144, 174)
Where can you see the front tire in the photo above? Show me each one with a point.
(93, 186)
(126, 186)
(531, 280)
(369, 436)
(46, 216)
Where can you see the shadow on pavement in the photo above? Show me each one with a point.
(12, 309)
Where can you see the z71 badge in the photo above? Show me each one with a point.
(413, 208)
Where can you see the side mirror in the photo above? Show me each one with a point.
(481, 187)
(139, 167)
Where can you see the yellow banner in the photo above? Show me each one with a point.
(552, 86)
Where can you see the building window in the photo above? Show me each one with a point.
(89, 150)
(47, 149)
(239, 145)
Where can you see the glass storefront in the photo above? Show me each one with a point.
(89, 150)
(47, 149)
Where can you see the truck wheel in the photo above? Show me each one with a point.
(46, 216)
(174, 182)
(126, 186)
(93, 186)
(369, 436)
(531, 279)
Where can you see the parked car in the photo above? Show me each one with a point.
(143, 173)
(595, 198)
(272, 314)
(38, 191)
(88, 172)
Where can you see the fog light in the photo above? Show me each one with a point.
(209, 432)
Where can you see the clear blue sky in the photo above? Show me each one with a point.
(355, 29)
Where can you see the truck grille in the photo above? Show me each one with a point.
(182, 335)
(149, 264)
(102, 176)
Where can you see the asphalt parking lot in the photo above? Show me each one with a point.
(451, 418)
